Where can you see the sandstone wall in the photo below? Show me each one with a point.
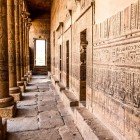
(107, 8)
(112, 72)
(40, 29)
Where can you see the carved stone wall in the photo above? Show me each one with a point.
(116, 96)
(108, 8)
(112, 62)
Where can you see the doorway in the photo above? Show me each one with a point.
(60, 63)
(83, 55)
(67, 64)
(40, 52)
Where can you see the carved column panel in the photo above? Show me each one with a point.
(14, 89)
(6, 102)
(17, 43)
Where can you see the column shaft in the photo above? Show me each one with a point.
(14, 90)
(17, 43)
(21, 38)
(7, 107)
(28, 50)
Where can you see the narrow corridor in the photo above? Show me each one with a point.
(41, 115)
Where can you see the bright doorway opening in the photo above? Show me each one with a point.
(40, 53)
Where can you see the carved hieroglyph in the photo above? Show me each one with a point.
(116, 71)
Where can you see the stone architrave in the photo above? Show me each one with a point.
(7, 105)
(14, 89)
(17, 43)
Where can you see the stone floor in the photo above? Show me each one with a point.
(41, 115)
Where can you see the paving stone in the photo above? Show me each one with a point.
(46, 98)
(28, 103)
(27, 111)
(22, 124)
(42, 115)
(33, 87)
(51, 134)
(68, 134)
(49, 105)
(51, 123)
(68, 120)
(61, 108)
(50, 119)
(32, 94)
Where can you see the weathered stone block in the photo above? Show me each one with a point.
(8, 112)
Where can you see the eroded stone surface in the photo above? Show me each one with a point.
(42, 115)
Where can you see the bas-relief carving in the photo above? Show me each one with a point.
(119, 83)
(138, 15)
(128, 55)
(114, 25)
(82, 3)
(123, 22)
(133, 24)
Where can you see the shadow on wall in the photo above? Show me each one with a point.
(40, 70)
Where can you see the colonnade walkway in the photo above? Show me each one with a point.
(41, 115)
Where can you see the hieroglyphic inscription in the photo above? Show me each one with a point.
(121, 23)
(125, 20)
(114, 25)
(119, 83)
(138, 16)
(83, 2)
(122, 83)
(128, 55)
(96, 33)
(134, 16)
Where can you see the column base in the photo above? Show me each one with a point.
(8, 112)
(25, 81)
(16, 93)
(21, 85)
(27, 78)
(30, 75)
(3, 129)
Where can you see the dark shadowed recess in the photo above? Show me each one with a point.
(38, 7)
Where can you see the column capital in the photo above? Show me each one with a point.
(25, 14)
(29, 23)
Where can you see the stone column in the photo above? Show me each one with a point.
(28, 50)
(17, 43)
(24, 78)
(21, 39)
(3, 129)
(25, 49)
(7, 105)
(14, 89)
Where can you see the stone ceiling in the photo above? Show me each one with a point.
(38, 7)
